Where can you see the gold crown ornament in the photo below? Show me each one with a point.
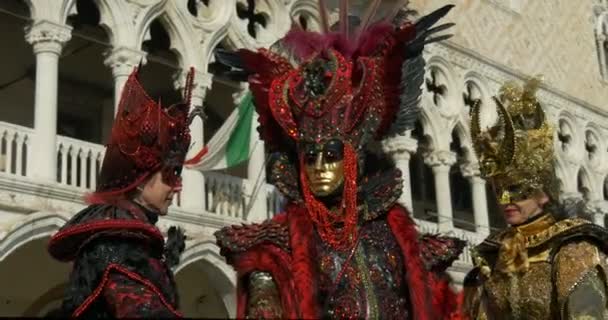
(516, 153)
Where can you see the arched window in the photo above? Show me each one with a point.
(17, 82)
(582, 187)
(460, 188)
(422, 180)
(86, 86)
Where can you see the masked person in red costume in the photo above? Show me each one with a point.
(343, 248)
(121, 264)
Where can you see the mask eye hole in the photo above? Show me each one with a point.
(333, 150)
(310, 157)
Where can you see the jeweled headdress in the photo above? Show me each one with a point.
(516, 153)
(146, 137)
(356, 82)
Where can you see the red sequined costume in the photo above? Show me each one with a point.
(367, 261)
(121, 264)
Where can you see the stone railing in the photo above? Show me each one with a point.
(78, 162)
(224, 195)
(14, 145)
(230, 196)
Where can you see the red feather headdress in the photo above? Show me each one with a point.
(339, 85)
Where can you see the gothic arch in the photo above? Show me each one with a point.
(55, 11)
(309, 8)
(112, 15)
(432, 132)
(278, 23)
(438, 66)
(220, 274)
(481, 91)
(142, 21)
(593, 139)
(568, 134)
(462, 130)
(35, 226)
(182, 39)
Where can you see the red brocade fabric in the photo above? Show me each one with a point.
(297, 280)
(358, 93)
(145, 138)
(129, 295)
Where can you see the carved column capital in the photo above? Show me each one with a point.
(202, 82)
(440, 159)
(47, 36)
(471, 170)
(122, 60)
(400, 148)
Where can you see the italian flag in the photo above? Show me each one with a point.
(231, 143)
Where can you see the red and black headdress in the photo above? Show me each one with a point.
(355, 87)
(145, 138)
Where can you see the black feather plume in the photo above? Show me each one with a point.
(234, 69)
(412, 78)
(412, 69)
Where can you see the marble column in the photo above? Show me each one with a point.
(122, 60)
(193, 194)
(440, 162)
(602, 47)
(47, 39)
(480, 203)
(401, 149)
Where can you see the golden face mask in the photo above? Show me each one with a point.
(516, 153)
(324, 166)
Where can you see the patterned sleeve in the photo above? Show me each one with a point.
(588, 299)
(581, 281)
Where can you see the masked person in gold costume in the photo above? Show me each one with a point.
(547, 264)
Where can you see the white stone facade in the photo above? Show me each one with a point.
(43, 174)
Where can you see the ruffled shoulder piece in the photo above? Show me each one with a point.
(439, 252)
(237, 239)
(97, 221)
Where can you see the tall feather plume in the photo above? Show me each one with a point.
(399, 5)
(324, 16)
(344, 21)
(412, 78)
(367, 18)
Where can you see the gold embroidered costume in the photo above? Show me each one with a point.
(547, 267)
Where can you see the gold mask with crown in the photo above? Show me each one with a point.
(516, 153)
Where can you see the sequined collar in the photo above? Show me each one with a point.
(536, 232)
(535, 225)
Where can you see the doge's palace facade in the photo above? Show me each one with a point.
(67, 60)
